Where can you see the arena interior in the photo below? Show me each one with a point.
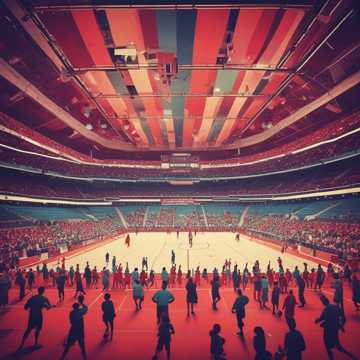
(179, 179)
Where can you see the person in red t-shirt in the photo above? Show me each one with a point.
(95, 277)
(197, 276)
(179, 276)
(143, 278)
(127, 280)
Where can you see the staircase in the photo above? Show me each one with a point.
(314, 216)
(145, 216)
(122, 218)
(205, 218)
(242, 217)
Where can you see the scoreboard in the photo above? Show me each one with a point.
(180, 161)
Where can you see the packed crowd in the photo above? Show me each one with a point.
(29, 241)
(323, 177)
(136, 217)
(223, 220)
(339, 235)
(341, 238)
(315, 155)
(193, 219)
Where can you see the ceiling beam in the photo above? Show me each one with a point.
(34, 27)
(175, 5)
(307, 57)
(336, 91)
(11, 75)
(114, 96)
(148, 66)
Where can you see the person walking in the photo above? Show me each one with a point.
(215, 292)
(95, 277)
(108, 310)
(172, 257)
(165, 331)
(60, 283)
(294, 343)
(355, 288)
(35, 305)
(275, 298)
(135, 275)
(20, 281)
(162, 298)
(301, 290)
(76, 332)
(30, 279)
(339, 292)
(216, 343)
(5, 285)
(238, 308)
(264, 297)
(259, 344)
(105, 279)
(87, 275)
(332, 320)
(191, 296)
(138, 294)
(79, 285)
(71, 275)
(151, 278)
(164, 275)
(236, 278)
(319, 278)
(289, 306)
(45, 273)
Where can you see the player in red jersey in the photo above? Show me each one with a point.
(127, 240)
(127, 280)
(172, 276)
(143, 278)
(95, 277)
(120, 276)
(179, 276)
(197, 276)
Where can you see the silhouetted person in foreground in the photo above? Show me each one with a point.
(217, 343)
(108, 310)
(355, 288)
(332, 320)
(165, 330)
(289, 306)
(239, 309)
(35, 304)
(294, 343)
(259, 343)
(215, 293)
(20, 281)
(76, 332)
(275, 298)
(60, 283)
(301, 290)
(191, 296)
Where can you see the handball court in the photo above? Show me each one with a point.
(135, 332)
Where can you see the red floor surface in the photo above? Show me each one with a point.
(135, 333)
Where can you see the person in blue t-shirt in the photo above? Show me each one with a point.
(162, 298)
